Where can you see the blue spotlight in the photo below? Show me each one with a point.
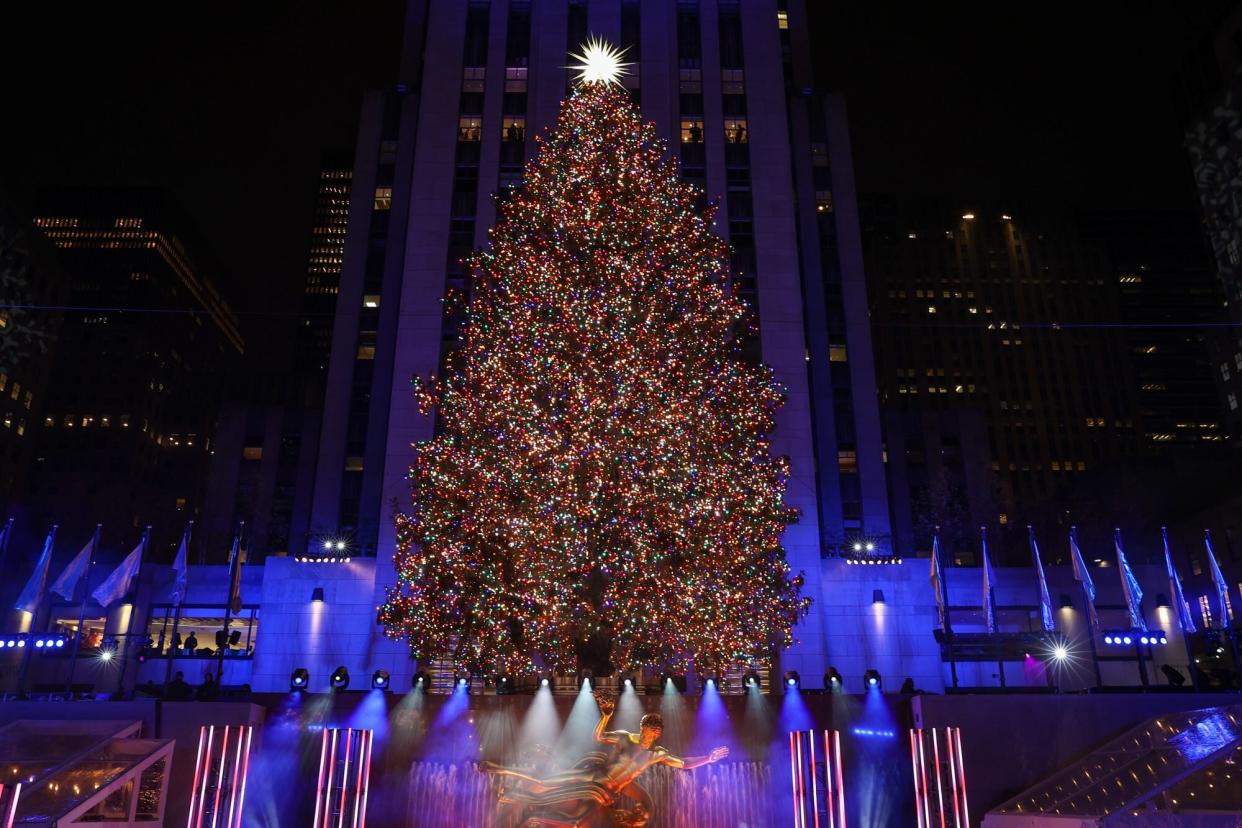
(872, 679)
(793, 681)
(420, 681)
(1127, 640)
(339, 678)
(752, 682)
(833, 682)
(380, 680)
(1108, 639)
(300, 679)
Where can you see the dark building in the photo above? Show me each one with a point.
(1169, 302)
(137, 376)
(997, 316)
(1208, 90)
(323, 270)
(729, 86)
(32, 291)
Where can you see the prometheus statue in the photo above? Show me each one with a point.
(586, 795)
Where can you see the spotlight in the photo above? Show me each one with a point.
(585, 674)
(380, 680)
(751, 681)
(1127, 640)
(461, 683)
(504, 685)
(871, 679)
(1108, 639)
(420, 681)
(105, 655)
(678, 680)
(1143, 639)
(39, 643)
(792, 680)
(1164, 639)
(300, 679)
(870, 547)
(832, 681)
(1060, 653)
(340, 678)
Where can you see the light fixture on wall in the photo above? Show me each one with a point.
(300, 679)
(317, 595)
(1066, 601)
(877, 596)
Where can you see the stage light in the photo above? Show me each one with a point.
(793, 681)
(752, 682)
(1164, 639)
(39, 643)
(105, 655)
(585, 674)
(871, 679)
(1108, 639)
(833, 682)
(340, 678)
(1060, 653)
(420, 681)
(299, 679)
(1127, 640)
(380, 680)
(461, 683)
(858, 547)
(327, 544)
(544, 682)
(504, 685)
(1142, 639)
(870, 547)
(678, 680)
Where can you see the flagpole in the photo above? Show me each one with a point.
(86, 594)
(948, 624)
(4, 543)
(1178, 599)
(133, 610)
(1225, 622)
(1095, 658)
(228, 606)
(49, 544)
(168, 669)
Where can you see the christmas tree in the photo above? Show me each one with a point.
(601, 488)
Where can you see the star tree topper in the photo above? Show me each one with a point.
(599, 62)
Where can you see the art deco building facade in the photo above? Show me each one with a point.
(728, 85)
(323, 269)
(137, 374)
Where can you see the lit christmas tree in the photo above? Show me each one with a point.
(601, 488)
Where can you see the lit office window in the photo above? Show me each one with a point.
(469, 129)
(383, 198)
(1205, 610)
(691, 131)
(782, 20)
(735, 131)
(513, 129)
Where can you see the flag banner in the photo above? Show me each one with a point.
(1082, 575)
(180, 568)
(989, 585)
(67, 584)
(32, 594)
(1045, 601)
(1218, 580)
(937, 582)
(235, 565)
(1186, 620)
(117, 585)
(1129, 586)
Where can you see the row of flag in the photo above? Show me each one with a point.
(1129, 583)
(121, 581)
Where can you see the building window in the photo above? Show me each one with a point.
(65, 622)
(847, 462)
(735, 131)
(837, 353)
(388, 152)
(472, 78)
(515, 79)
(1228, 606)
(353, 464)
(732, 81)
(782, 20)
(252, 453)
(1233, 401)
(371, 300)
(4, 381)
(691, 81)
(366, 351)
(28, 400)
(691, 131)
(469, 129)
(201, 633)
(513, 129)
(383, 198)
(823, 201)
(1205, 609)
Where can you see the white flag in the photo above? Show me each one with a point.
(32, 594)
(989, 585)
(118, 583)
(1218, 580)
(67, 584)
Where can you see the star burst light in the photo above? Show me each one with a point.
(599, 62)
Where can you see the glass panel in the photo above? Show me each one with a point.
(200, 631)
(149, 787)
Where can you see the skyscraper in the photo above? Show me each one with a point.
(138, 371)
(728, 85)
(323, 269)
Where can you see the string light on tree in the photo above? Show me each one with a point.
(602, 487)
(599, 62)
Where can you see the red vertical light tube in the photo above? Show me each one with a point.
(793, 777)
(366, 781)
(323, 756)
(914, 767)
(828, 759)
(939, 788)
(224, 756)
(923, 774)
(236, 771)
(961, 764)
(202, 794)
(349, 746)
(327, 797)
(814, 780)
(957, 812)
(245, 773)
(198, 769)
(836, 737)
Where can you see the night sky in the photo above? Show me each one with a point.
(1063, 104)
